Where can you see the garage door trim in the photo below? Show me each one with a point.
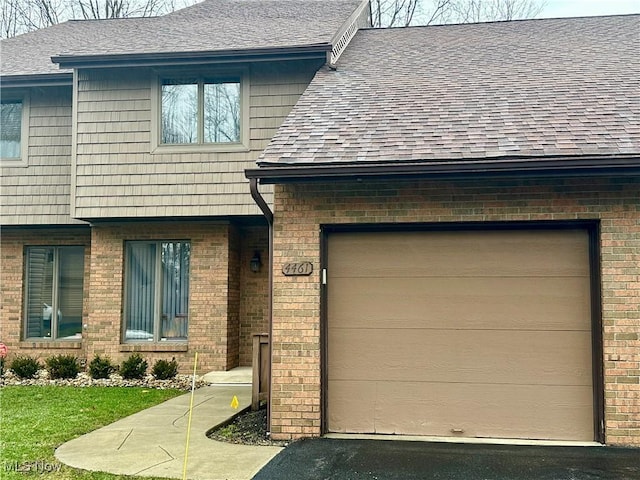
(591, 227)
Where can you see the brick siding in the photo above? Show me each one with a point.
(300, 210)
(254, 294)
(233, 300)
(219, 265)
(208, 293)
(12, 262)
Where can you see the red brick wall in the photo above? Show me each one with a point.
(233, 300)
(208, 294)
(254, 293)
(218, 298)
(299, 210)
(12, 248)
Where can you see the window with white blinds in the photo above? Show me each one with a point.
(156, 291)
(54, 292)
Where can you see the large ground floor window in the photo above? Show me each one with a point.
(54, 292)
(156, 291)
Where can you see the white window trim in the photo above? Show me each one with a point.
(157, 147)
(24, 131)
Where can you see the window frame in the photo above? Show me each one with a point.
(55, 294)
(19, 97)
(157, 288)
(157, 147)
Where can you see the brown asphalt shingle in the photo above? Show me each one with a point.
(524, 88)
(210, 26)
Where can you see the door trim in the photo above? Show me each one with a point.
(592, 228)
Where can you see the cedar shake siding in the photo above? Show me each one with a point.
(118, 176)
(37, 193)
(300, 210)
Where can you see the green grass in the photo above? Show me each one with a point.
(34, 421)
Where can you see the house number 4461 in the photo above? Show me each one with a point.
(297, 268)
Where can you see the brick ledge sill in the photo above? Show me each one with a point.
(156, 347)
(51, 344)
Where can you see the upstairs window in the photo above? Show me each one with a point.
(156, 291)
(13, 129)
(200, 111)
(54, 292)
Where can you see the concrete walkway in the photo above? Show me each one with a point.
(152, 442)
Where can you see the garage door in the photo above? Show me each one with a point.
(465, 333)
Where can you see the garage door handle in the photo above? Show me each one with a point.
(457, 430)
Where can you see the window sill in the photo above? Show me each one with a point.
(200, 148)
(154, 347)
(12, 162)
(52, 344)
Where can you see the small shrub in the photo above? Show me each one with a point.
(63, 366)
(101, 367)
(164, 369)
(25, 366)
(134, 367)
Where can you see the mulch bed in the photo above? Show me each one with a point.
(248, 428)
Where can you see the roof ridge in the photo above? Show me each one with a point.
(498, 22)
(87, 20)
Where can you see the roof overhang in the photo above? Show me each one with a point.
(188, 58)
(38, 80)
(593, 165)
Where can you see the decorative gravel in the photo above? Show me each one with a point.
(180, 382)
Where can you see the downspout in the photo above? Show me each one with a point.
(268, 214)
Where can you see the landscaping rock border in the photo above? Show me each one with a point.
(180, 382)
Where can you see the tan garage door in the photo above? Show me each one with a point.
(468, 333)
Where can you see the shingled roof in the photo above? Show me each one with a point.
(210, 26)
(535, 88)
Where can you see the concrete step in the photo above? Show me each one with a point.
(238, 375)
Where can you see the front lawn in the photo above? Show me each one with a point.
(35, 420)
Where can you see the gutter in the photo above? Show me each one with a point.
(37, 80)
(625, 164)
(194, 58)
(268, 214)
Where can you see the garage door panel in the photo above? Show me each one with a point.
(469, 410)
(548, 253)
(461, 356)
(355, 406)
(481, 410)
(558, 303)
(488, 332)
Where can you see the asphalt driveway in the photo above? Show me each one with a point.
(339, 459)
